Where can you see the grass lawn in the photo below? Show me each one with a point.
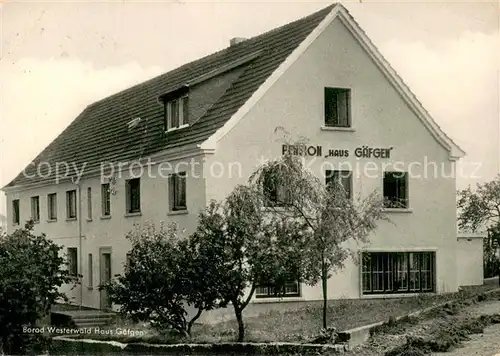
(300, 322)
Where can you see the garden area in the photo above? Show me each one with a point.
(293, 321)
(254, 237)
(439, 331)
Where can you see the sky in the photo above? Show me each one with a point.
(58, 57)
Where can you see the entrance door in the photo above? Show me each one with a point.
(105, 273)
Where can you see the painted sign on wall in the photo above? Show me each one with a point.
(360, 152)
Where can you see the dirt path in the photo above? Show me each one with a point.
(487, 344)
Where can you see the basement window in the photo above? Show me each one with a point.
(289, 289)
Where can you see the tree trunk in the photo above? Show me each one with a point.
(324, 282)
(241, 327)
(191, 322)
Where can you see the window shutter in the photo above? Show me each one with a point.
(342, 102)
(185, 110)
(330, 107)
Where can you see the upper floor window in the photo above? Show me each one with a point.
(106, 199)
(52, 206)
(396, 190)
(35, 209)
(15, 212)
(89, 203)
(342, 177)
(275, 191)
(177, 191)
(337, 107)
(134, 195)
(176, 113)
(71, 204)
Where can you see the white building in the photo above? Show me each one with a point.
(206, 125)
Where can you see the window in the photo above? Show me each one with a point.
(177, 191)
(90, 271)
(337, 107)
(289, 289)
(71, 204)
(134, 196)
(396, 190)
(73, 261)
(176, 113)
(342, 177)
(106, 199)
(52, 206)
(15, 212)
(398, 272)
(35, 209)
(89, 203)
(275, 190)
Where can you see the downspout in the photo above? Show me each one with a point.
(80, 254)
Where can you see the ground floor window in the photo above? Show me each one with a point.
(73, 261)
(398, 272)
(290, 289)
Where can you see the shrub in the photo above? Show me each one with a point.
(31, 272)
(164, 273)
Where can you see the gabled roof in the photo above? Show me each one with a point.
(341, 13)
(232, 81)
(101, 134)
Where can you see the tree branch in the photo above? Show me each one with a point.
(252, 290)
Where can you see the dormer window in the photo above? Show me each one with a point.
(176, 113)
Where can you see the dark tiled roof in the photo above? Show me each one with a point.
(100, 132)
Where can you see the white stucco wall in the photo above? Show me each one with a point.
(470, 268)
(381, 119)
(110, 232)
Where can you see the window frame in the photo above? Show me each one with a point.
(90, 270)
(333, 174)
(16, 212)
(71, 204)
(396, 272)
(395, 202)
(89, 203)
(182, 113)
(52, 206)
(35, 208)
(332, 114)
(131, 200)
(275, 195)
(174, 182)
(72, 253)
(105, 199)
(264, 291)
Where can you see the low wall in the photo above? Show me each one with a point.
(69, 346)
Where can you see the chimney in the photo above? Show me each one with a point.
(236, 40)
